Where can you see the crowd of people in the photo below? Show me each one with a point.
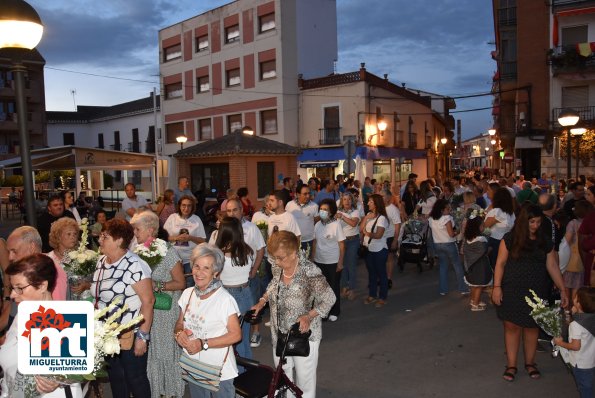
(297, 257)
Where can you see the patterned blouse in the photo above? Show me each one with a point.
(307, 290)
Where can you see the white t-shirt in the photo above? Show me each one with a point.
(175, 223)
(208, 319)
(259, 216)
(348, 230)
(439, 231)
(327, 242)
(252, 236)
(394, 217)
(128, 203)
(304, 216)
(504, 224)
(234, 275)
(585, 357)
(285, 222)
(375, 245)
(427, 205)
(512, 191)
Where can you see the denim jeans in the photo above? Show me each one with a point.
(226, 390)
(243, 296)
(376, 265)
(448, 254)
(584, 381)
(307, 246)
(188, 271)
(128, 374)
(332, 277)
(349, 274)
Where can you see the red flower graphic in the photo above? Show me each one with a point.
(43, 319)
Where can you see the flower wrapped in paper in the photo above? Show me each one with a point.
(80, 264)
(152, 251)
(549, 319)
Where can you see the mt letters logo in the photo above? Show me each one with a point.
(56, 337)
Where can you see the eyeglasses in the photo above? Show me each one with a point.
(279, 259)
(18, 289)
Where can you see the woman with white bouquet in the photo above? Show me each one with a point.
(167, 277)
(64, 234)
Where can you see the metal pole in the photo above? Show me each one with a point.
(578, 143)
(18, 71)
(568, 156)
(157, 187)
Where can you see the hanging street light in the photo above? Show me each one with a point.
(21, 27)
(181, 140)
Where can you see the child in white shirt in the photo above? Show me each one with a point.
(581, 343)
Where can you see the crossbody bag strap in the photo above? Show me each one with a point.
(373, 226)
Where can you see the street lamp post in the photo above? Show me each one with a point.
(567, 119)
(21, 27)
(181, 140)
(443, 141)
(577, 132)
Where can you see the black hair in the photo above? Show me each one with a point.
(473, 228)
(230, 239)
(438, 208)
(332, 206)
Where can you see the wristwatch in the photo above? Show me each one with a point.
(143, 336)
(205, 344)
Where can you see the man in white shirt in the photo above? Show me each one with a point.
(391, 233)
(281, 220)
(305, 213)
(132, 202)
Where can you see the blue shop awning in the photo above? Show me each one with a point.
(372, 152)
(322, 155)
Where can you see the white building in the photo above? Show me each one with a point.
(128, 127)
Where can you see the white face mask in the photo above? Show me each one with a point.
(323, 214)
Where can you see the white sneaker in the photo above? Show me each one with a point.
(333, 318)
(255, 340)
(267, 324)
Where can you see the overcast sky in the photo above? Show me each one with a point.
(441, 46)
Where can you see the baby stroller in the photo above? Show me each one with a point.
(259, 381)
(414, 247)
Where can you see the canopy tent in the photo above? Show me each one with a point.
(80, 158)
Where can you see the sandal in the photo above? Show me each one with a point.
(478, 307)
(380, 304)
(344, 292)
(508, 375)
(535, 373)
(370, 300)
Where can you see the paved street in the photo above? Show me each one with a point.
(419, 345)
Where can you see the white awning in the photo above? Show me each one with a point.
(535, 142)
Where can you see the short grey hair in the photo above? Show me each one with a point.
(208, 250)
(146, 219)
(526, 185)
(29, 235)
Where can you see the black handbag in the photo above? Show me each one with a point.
(294, 343)
(363, 250)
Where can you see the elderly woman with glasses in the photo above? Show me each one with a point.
(122, 275)
(208, 324)
(64, 236)
(167, 277)
(185, 231)
(32, 279)
(298, 293)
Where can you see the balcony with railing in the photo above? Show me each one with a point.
(134, 146)
(568, 59)
(330, 136)
(586, 114)
(116, 147)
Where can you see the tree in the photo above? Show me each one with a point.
(586, 146)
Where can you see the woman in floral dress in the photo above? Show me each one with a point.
(163, 369)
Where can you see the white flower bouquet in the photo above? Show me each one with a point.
(152, 251)
(106, 332)
(80, 264)
(549, 319)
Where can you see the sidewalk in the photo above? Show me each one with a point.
(8, 224)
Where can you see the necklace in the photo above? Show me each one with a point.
(294, 271)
